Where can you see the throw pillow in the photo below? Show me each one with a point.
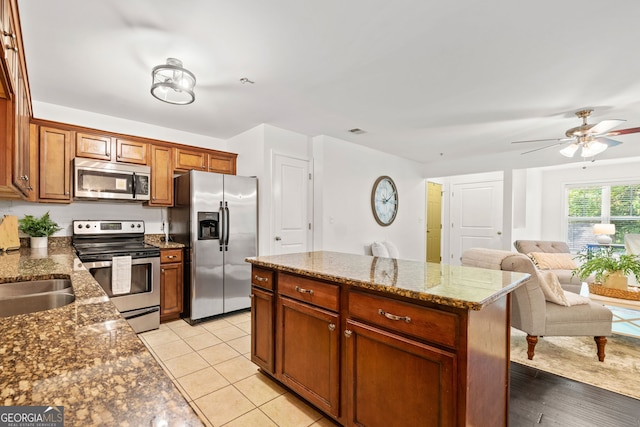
(380, 250)
(391, 249)
(551, 288)
(553, 261)
(575, 299)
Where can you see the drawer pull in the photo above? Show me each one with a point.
(332, 327)
(261, 279)
(172, 256)
(393, 316)
(304, 291)
(347, 333)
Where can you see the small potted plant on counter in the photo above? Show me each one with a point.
(609, 269)
(39, 229)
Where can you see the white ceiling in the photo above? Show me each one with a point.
(429, 81)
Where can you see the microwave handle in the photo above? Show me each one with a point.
(133, 185)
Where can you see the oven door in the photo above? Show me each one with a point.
(142, 304)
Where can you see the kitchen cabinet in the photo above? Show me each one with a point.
(262, 319)
(221, 162)
(161, 176)
(131, 152)
(185, 160)
(308, 340)
(93, 146)
(171, 284)
(55, 165)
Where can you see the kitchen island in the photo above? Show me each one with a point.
(83, 356)
(380, 342)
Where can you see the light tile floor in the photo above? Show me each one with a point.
(210, 364)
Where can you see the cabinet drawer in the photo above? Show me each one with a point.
(314, 292)
(262, 278)
(421, 322)
(170, 255)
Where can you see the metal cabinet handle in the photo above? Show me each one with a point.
(393, 316)
(332, 327)
(261, 279)
(172, 256)
(278, 238)
(304, 291)
(162, 270)
(347, 333)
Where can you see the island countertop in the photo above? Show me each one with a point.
(456, 286)
(83, 356)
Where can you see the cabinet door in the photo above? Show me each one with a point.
(262, 334)
(308, 348)
(171, 286)
(187, 160)
(131, 152)
(93, 146)
(222, 163)
(395, 381)
(55, 165)
(161, 176)
(22, 174)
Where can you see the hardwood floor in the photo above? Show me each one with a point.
(539, 398)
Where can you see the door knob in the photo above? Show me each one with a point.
(499, 233)
(278, 238)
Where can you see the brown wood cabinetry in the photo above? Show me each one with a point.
(262, 319)
(171, 284)
(221, 162)
(131, 152)
(185, 160)
(308, 340)
(93, 146)
(55, 165)
(161, 176)
(371, 358)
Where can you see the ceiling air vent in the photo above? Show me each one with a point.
(356, 131)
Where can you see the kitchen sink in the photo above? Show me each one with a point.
(33, 296)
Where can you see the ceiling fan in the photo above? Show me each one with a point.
(592, 138)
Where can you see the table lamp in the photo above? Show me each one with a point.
(603, 233)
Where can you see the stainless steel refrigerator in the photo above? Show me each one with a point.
(216, 217)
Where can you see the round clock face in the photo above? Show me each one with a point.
(384, 200)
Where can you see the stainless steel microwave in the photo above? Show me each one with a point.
(94, 179)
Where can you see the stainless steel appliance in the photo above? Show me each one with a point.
(94, 179)
(216, 217)
(125, 266)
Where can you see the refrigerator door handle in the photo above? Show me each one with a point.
(226, 225)
(222, 226)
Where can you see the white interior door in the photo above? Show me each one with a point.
(290, 198)
(476, 217)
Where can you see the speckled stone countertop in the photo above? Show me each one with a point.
(456, 286)
(158, 241)
(83, 356)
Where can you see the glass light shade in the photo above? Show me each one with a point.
(570, 150)
(592, 148)
(172, 83)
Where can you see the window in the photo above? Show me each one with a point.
(601, 203)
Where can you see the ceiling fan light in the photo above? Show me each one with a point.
(570, 150)
(172, 83)
(592, 148)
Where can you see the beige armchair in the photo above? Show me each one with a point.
(533, 314)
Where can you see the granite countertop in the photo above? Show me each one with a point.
(83, 356)
(159, 241)
(456, 286)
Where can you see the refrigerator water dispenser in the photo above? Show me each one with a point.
(208, 226)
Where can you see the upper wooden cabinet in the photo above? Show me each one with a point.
(55, 165)
(93, 146)
(185, 159)
(222, 162)
(161, 176)
(131, 152)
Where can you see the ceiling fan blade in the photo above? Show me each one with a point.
(623, 132)
(605, 126)
(610, 142)
(543, 148)
(560, 140)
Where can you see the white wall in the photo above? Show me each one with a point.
(344, 176)
(42, 110)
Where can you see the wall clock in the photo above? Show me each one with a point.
(384, 200)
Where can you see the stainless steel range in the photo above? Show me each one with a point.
(125, 266)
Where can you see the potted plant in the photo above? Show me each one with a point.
(608, 268)
(39, 229)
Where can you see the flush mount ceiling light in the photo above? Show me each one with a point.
(172, 83)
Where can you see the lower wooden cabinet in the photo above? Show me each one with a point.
(171, 284)
(392, 380)
(262, 329)
(308, 349)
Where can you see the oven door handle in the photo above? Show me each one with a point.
(103, 264)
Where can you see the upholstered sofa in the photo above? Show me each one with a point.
(554, 256)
